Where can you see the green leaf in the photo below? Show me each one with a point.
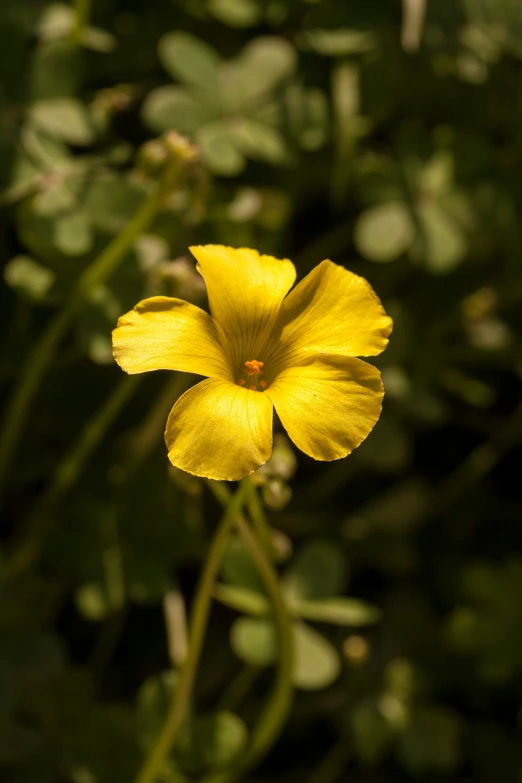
(317, 572)
(372, 733)
(93, 602)
(236, 13)
(73, 234)
(317, 663)
(446, 241)
(339, 611)
(431, 742)
(63, 118)
(242, 600)
(262, 65)
(210, 742)
(239, 569)
(257, 140)
(254, 641)
(30, 278)
(190, 60)
(383, 233)
(154, 700)
(340, 41)
(55, 71)
(219, 149)
(112, 200)
(174, 107)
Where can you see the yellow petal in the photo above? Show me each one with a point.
(168, 334)
(328, 406)
(245, 292)
(332, 311)
(219, 430)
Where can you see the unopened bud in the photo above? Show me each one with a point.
(180, 147)
(183, 279)
(356, 650)
(276, 494)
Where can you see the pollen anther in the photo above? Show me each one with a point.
(254, 367)
(251, 372)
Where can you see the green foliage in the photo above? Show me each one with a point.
(359, 132)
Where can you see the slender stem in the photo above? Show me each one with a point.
(41, 356)
(82, 12)
(239, 687)
(258, 517)
(155, 761)
(276, 711)
(31, 536)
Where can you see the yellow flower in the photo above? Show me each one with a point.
(259, 349)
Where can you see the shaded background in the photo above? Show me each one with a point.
(362, 132)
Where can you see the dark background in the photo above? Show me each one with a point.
(353, 131)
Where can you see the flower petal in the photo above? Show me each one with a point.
(245, 291)
(219, 430)
(332, 311)
(162, 333)
(328, 406)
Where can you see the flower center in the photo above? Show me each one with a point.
(250, 378)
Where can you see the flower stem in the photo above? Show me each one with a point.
(44, 350)
(82, 12)
(154, 763)
(31, 536)
(276, 711)
(257, 515)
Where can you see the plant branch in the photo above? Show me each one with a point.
(41, 356)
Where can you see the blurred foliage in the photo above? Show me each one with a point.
(388, 137)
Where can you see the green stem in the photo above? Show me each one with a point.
(31, 536)
(44, 350)
(258, 517)
(154, 763)
(82, 12)
(276, 711)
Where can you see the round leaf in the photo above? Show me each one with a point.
(210, 742)
(445, 239)
(318, 571)
(190, 60)
(73, 234)
(385, 232)
(235, 13)
(317, 663)
(254, 641)
(219, 149)
(173, 107)
(29, 277)
(263, 64)
(64, 118)
(257, 140)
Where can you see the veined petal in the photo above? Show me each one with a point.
(245, 292)
(332, 311)
(219, 430)
(328, 406)
(162, 333)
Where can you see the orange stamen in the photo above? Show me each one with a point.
(254, 367)
(241, 381)
(252, 388)
(263, 384)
